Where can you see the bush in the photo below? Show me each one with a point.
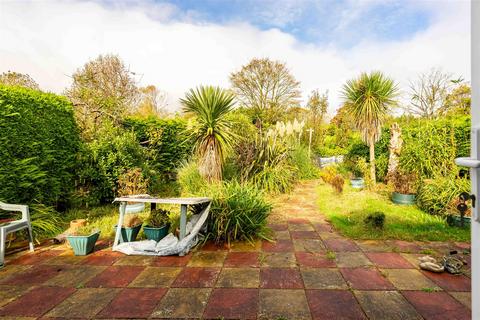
(103, 162)
(306, 169)
(375, 220)
(435, 195)
(238, 212)
(275, 179)
(166, 143)
(190, 179)
(38, 144)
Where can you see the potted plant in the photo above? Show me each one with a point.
(83, 240)
(463, 219)
(131, 184)
(356, 179)
(130, 228)
(157, 225)
(405, 187)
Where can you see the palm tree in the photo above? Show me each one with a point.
(368, 99)
(212, 133)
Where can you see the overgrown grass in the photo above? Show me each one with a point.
(348, 211)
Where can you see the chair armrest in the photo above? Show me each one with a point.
(17, 208)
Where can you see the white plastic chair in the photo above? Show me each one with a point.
(13, 226)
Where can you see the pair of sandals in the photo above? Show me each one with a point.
(450, 263)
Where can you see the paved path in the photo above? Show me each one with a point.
(310, 272)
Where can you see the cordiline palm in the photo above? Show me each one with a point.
(212, 133)
(368, 99)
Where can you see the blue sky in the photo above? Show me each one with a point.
(328, 22)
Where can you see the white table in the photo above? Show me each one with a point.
(183, 202)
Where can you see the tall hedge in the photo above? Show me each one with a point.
(166, 140)
(38, 146)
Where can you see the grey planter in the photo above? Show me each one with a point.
(357, 183)
(400, 198)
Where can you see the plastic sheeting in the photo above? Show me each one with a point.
(170, 245)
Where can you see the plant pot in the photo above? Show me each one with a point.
(357, 183)
(456, 220)
(83, 245)
(154, 233)
(129, 234)
(400, 198)
(135, 207)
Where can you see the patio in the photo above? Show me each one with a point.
(310, 272)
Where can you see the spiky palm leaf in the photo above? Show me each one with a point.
(213, 134)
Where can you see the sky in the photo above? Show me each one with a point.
(177, 45)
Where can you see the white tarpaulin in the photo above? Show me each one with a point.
(170, 245)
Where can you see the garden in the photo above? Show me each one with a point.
(68, 156)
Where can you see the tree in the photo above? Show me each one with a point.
(12, 78)
(103, 90)
(368, 99)
(458, 100)
(428, 93)
(317, 105)
(152, 102)
(266, 86)
(212, 132)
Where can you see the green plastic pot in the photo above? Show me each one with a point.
(129, 234)
(357, 183)
(400, 198)
(456, 220)
(83, 245)
(154, 233)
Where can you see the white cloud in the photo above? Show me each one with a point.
(50, 40)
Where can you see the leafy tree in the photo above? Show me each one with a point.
(368, 99)
(212, 132)
(428, 94)
(12, 78)
(103, 90)
(458, 100)
(317, 105)
(152, 102)
(266, 86)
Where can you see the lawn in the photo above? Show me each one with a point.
(348, 211)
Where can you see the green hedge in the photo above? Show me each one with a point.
(166, 142)
(38, 145)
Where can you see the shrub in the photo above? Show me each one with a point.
(46, 222)
(103, 162)
(158, 218)
(299, 158)
(375, 220)
(132, 182)
(38, 145)
(165, 140)
(190, 179)
(337, 183)
(238, 212)
(405, 183)
(435, 195)
(328, 173)
(275, 178)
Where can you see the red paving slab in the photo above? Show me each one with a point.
(232, 304)
(449, 282)
(323, 227)
(171, 261)
(299, 221)
(100, 260)
(196, 278)
(115, 277)
(437, 305)
(389, 260)
(242, 259)
(278, 227)
(36, 302)
(333, 304)
(405, 246)
(212, 246)
(304, 235)
(365, 279)
(277, 246)
(338, 244)
(280, 278)
(314, 260)
(133, 303)
(35, 275)
(35, 258)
